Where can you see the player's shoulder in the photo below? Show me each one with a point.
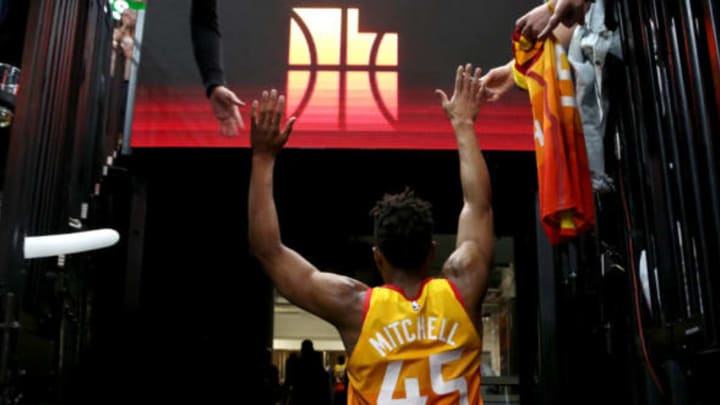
(467, 258)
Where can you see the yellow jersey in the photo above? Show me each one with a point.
(420, 350)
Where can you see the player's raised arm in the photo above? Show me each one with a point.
(468, 265)
(324, 294)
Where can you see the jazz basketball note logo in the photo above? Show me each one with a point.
(338, 77)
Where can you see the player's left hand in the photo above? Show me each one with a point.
(266, 137)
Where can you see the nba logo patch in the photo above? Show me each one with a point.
(415, 306)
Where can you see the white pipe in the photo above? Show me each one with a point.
(66, 243)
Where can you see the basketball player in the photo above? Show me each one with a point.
(417, 337)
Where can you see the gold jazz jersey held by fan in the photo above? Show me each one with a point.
(424, 349)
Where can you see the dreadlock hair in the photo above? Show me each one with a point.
(403, 229)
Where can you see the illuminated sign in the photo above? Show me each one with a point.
(117, 7)
(357, 75)
(338, 77)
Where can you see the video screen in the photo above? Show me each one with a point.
(356, 74)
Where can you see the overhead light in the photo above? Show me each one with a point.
(68, 243)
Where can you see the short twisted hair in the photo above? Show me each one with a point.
(403, 229)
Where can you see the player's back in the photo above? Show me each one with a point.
(425, 349)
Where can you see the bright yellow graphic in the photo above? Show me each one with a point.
(340, 78)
